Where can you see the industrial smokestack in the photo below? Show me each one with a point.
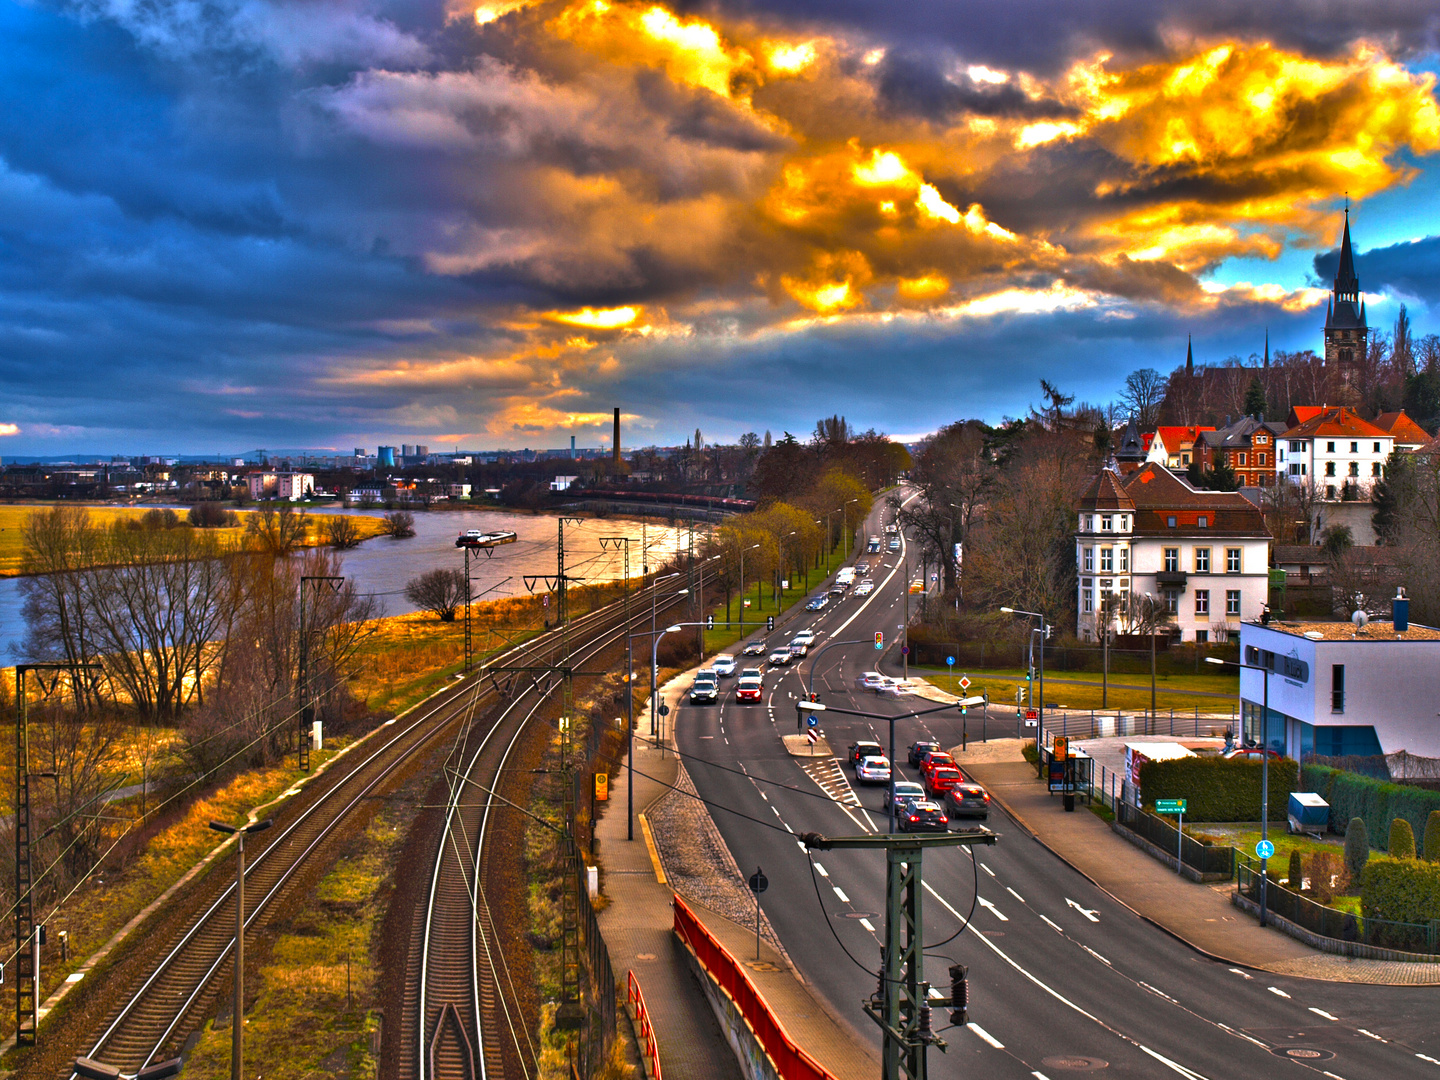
(615, 449)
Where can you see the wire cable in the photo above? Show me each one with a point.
(975, 897)
(821, 902)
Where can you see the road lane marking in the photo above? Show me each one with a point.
(987, 869)
(650, 847)
(1039, 1076)
(1107, 963)
(1247, 1038)
(978, 1030)
(867, 925)
(1181, 1069)
(838, 892)
(1242, 974)
(821, 870)
(1053, 926)
(1322, 1012)
(1015, 894)
(1161, 993)
(1277, 990)
(1422, 1057)
(991, 908)
(1089, 913)
(1372, 1035)
(935, 993)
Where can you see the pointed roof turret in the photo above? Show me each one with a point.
(1189, 357)
(1347, 285)
(1346, 309)
(1267, 346)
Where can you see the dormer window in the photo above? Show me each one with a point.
(1105, 523)
(1170, 521)
(1203, 522)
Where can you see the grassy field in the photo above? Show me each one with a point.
(12, 521)
(1081, 690)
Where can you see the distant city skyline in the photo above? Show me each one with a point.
(251, 223)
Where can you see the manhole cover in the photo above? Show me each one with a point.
(1303, 1053)
(857, 914)
(1076, 1064)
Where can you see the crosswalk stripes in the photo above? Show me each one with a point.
(830, 778)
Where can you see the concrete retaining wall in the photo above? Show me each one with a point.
(1156, 852)
(754, 1062)
(1328, 944)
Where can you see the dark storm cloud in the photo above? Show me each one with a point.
(1411, 269)
(917, 84)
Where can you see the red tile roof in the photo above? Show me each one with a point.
(1300, 413)
(1158, 495)
(1172, 436)
(1336, 423)
(1404, 429)
(1106, 492)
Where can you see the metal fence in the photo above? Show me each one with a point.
(602, 996)
(1423, 938)
(1110, 724)
(1206, 858)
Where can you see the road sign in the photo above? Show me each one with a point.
(758, 881)
(812, 736)
(1031, 714)
(602, 787)
(950, 660)
(1170, 806)
(784, 584)
(964, 682)
(904, 650)
(747, 603)
(1264, 849)
(812, 720)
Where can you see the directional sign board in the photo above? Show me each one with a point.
(1264, 849)
(1170, 806)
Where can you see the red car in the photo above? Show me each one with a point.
(749, 690)
(933, 759)
(941, 779)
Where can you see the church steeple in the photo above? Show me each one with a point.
(1267, 346)
(1346, 331)
(1189, 357)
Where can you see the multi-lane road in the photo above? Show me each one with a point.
(1063, 978)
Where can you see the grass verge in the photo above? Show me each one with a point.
(1082, 690)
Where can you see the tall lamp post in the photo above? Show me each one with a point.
(1264, 768)
(1150, 618)
(1040, 702)
(238, 1008)
(845, 524)
(743, 549)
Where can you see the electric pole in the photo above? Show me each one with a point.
(302, 682)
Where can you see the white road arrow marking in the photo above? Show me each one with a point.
(1088, 913)
(992, 909)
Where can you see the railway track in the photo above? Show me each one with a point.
(176, 992)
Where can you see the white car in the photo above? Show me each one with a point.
(723, 664)
(781, 658)
(804, 637)
(880, 684)
(865, 588)
(873, 770)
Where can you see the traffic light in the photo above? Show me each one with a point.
(709, 622)
(879, 639)
(769, 622)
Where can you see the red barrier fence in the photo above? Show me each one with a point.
(649, 1048)
(791, 1062)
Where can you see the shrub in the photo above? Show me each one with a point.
(1432, 836)
(1402, 839)
(1327, 876)
(1357, 847)
(1217, 789)
(209, 515)
(1295, 875)
(440, 591)
(1406, 890)
(400, 524)
(1351, 795)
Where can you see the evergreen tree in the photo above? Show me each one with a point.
(1402, 839)
(1297, 876)
(1357, 847)
(1255, 398)
(1432, 836)
(1392, 496)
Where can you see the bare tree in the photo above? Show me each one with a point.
(439, 591)
(277, 531)
(342, 531)
(1143, 395)
(400, 524)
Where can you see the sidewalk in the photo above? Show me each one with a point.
(637, 926)
(1200, 915)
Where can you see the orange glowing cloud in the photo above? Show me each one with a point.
(597, 318)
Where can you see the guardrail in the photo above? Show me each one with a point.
(644, 1032)
(790, 1061)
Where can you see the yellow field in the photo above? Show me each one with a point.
(12, 520)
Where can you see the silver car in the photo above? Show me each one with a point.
(873, 770)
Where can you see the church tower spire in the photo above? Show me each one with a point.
(1346, 332)
(1189, 357)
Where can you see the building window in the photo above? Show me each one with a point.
(1232, 560)
(1329, 468)
(1375, 468)
(1232, 601)
(1377, 448)
(1107, 560)
(1202, 601)
(1184, 459)
(1354, 468)
(1124, 560)
(1330, 448)
(1354, 448)
(1337, 688)
(1105, 523)
(1203, 521)
(1170, 521)
(1330, 491)
(1261, 440)
(1172, 560)
(1089, 560)
(1087, 598)
(1260, 461)
(1202, 560)
(1172, 602)
(1202, 636)
(1242, 459)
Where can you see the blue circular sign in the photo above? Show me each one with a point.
(812, 720)
(1265, 849)
(950, 660)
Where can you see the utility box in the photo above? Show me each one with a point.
(592, 881)
(316, 742)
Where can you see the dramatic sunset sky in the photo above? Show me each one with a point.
(333, 223)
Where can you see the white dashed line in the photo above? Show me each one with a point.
(1039, 1076)
(1107, 963)
(1181, 1069)
(1247, 1038)
(1371, 1034)
(821, 870)
(1015, 894)
(1322, 1012)
(1053, 926)
(1276, 990)
(1242, 974)
(935, 993)
(978, 1030)
(1426, 1057)
(838, 892)
(987, 869)
(867, 925)
(1152, 989)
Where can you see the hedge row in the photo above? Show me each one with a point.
(1219, 790)
(1405, 890)
(1377, 802)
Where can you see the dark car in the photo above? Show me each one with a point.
(918, 750)
(755, 648)
(925, 816)
(817, 602)
(705, 690)
(861, 750)
(968, 799)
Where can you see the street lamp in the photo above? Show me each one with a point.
(1150, 612)
(1264, 768)
(1040, 702)
(844, 524)
(743, 549)
(238, 1008)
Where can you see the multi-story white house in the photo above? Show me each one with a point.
(1150, 540)
(1333, 447)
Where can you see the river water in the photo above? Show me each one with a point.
(381, 566)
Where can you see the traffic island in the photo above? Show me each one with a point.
(800, 746)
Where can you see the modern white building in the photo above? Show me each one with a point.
(1201, 557)
(293, 486)
(1336, 689)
